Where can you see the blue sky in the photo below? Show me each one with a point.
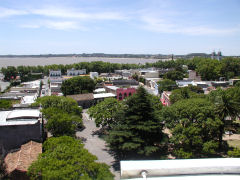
(119, 26)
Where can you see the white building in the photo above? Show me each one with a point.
(74, 72)
(18, 127)
(93, 75)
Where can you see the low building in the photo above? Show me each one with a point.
(99, 90)
(75, 72)
(18, 162)
(125, 83)
(93, 75)
(153, 84)
(149, 73)
(165, 98)
(18, 127)
(100, 97)
(90, 99)
(121, 93)
(220, 84)
(192, 75)
(83, 100)
(232, 82)
(55, 73)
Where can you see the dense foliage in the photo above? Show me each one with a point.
(65, 158)
(166, 85)
(104, 112)
(186, 93)
(63, 115)
(174, 75)
(65, 104)
(138, 130)
(5, 104)
(78, 85)
(227, 104)
(194, 126)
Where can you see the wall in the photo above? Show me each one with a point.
(12, 137)
(124, 92)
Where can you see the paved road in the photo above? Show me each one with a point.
(95, 145)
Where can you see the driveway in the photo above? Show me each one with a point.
(95, 145)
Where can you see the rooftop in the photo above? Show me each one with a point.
(19, 117)
(22, 159)
(103, 95)
(82, 97)
(112, 87)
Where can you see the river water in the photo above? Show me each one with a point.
(29, 61)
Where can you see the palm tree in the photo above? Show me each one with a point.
(225, 106)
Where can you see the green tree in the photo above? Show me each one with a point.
(185, 93)
(77, 85)
(5, 104)
(166, 85)
(174, 75)
(65, 158)
(61, 124)
(234, 153)
(9, 73)
(225, 106)
(209, 69)
(65, 104)
(105, 111)
(139, 130)
(194, 127)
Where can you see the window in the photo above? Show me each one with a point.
(125, 95)
(129, 94)
(120, 96)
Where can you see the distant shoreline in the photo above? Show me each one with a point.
(35, 61)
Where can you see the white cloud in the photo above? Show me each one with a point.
(58, 25)
(76, 14)
(164, 26)
(5, 12)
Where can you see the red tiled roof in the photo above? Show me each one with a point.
(22, 159)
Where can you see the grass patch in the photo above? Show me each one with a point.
(234, 143)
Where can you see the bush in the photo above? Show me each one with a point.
(234, 153)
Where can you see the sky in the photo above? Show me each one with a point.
(119, 26)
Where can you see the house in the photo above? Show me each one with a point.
(55, 73)
(83, 100)
(149, 73)
(165, 98)
(74, 72)
(125, 83)
(18, 127)
(220, 84)
(93, 75)
(232, 82)
(121, 93)
(153, 84)
(18, 162)
(192, 75)
(90, 99)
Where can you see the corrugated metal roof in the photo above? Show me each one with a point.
(19, 117)
(103, 95)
